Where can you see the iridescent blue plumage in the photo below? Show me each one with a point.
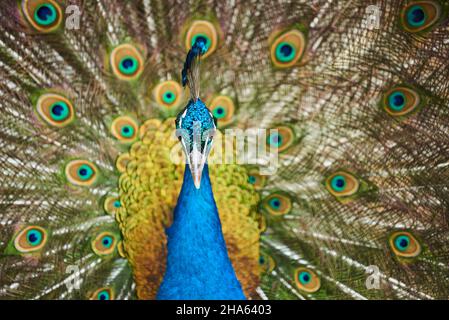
(198, 265)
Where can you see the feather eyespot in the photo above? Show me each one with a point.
(345, 186)
(256, 179)
(111, 205)
(281, 138)
(342, 184)
(202, 30)
(168, 97)
(81, 173)
(288, 48)
(306, 280)
(124, 129)
(404, 244)
(277, 203)
(168, 94)
(44, 16)
(266, 263)
(103, 294)
(222, 108)
(104, 243)
(30, 239)
(401, 101)
(55, 109)
(126, 62)
(420, 15)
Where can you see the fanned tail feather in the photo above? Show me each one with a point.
(358, 176)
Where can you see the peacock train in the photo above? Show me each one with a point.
(115, 118)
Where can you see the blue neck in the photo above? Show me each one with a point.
(198, 265)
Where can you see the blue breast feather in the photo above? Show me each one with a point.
(198, 265)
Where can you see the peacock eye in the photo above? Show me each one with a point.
(305, 277)
(30, 239)
(59, 111)
(44, 16)
(338, 183)
(103, 294)
(396, 101)
(81, 173)
(124, 129)
(342, 184)
(266, 263)
(307, 280)
(287, 48)
(223, 109)
(219, 112)
(168, 94)
(128, 65)
(277, 203)
(420, 15)
(55, 110)
(256, 179)
(204, 31)
(400, 101)
(281, 138)
(404, 244)
(126, 62)
(169, 97)
(85, 172)
(111, 204)
(104, 243)
(285, 52)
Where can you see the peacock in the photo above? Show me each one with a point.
(198, 265)
(130, 134)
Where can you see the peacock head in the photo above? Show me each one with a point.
(195, 128)
(195, 125)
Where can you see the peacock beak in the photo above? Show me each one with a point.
(196, 138)
(197, 155)
(196, 165)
